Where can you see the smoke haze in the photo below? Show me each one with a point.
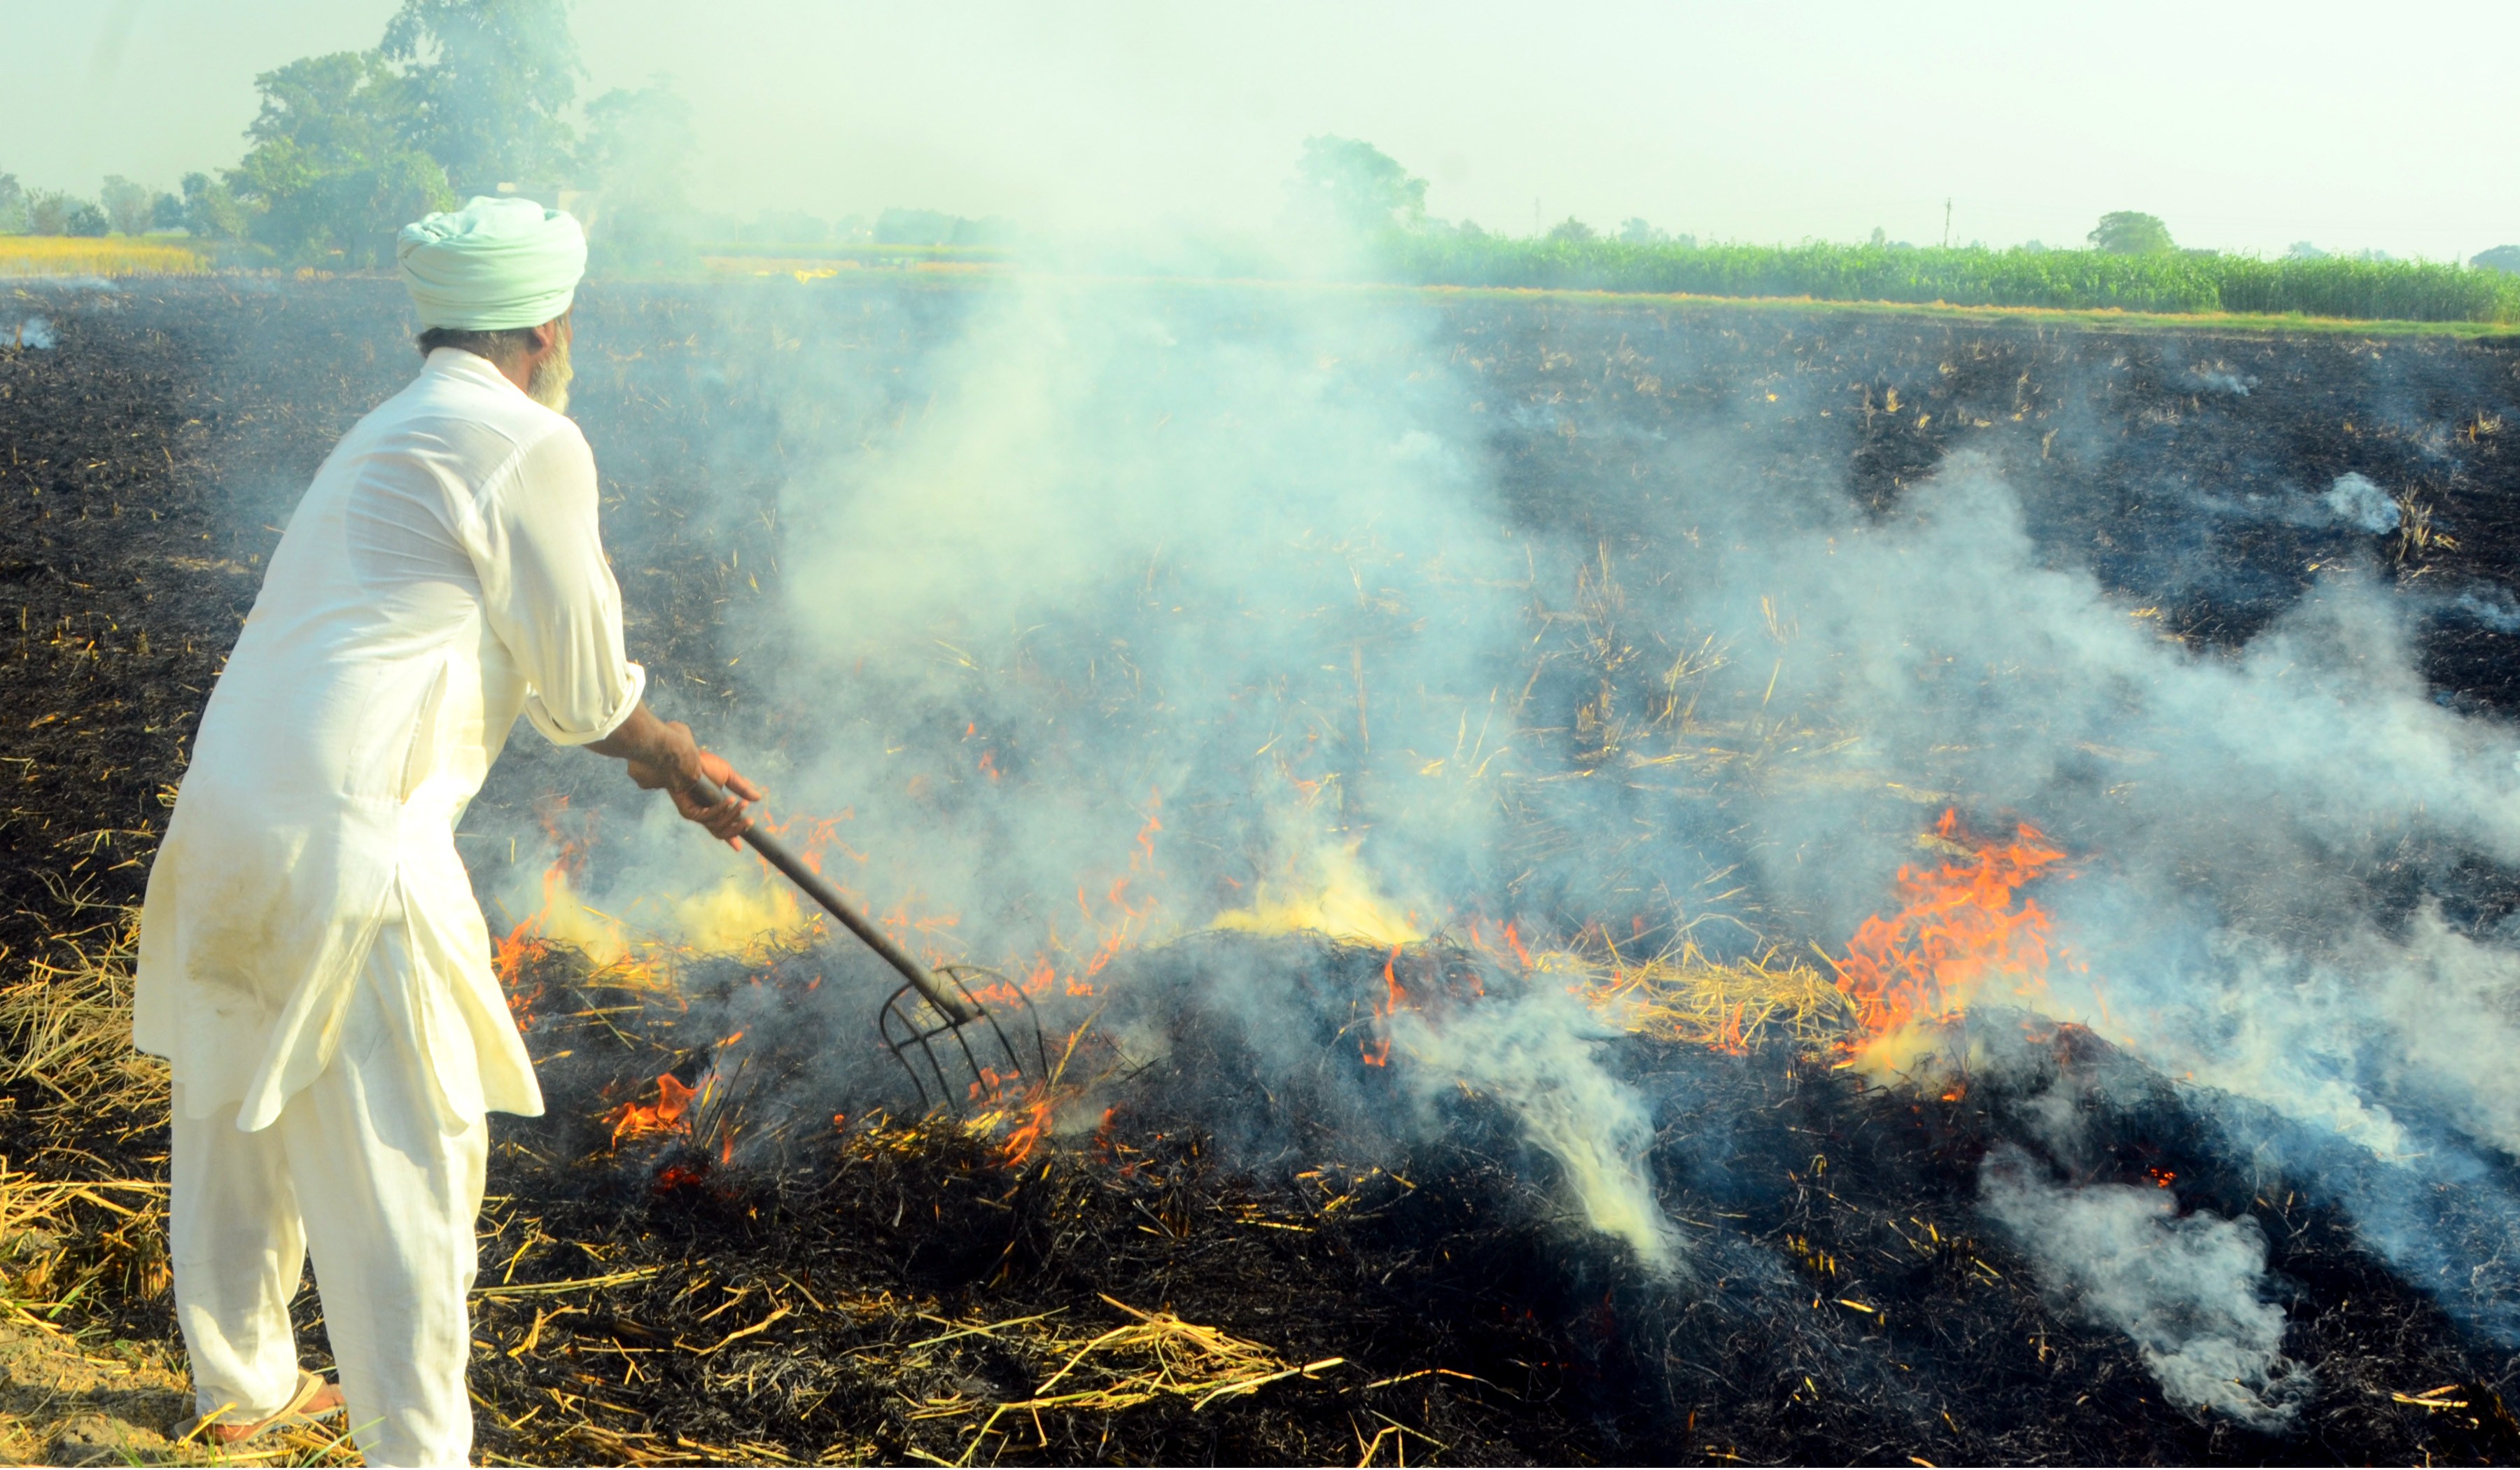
(1125, 114)
(1123, 612)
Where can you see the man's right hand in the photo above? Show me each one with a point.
(661, 754)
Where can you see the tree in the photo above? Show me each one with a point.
(210, 210)
(330, 170)
(126, 204)
(2504, 258)
(2303, 249)
(47, 213)
(86, 221)
(1640, 232)
(1348, 184)
(639, 143)
(934, 227)
(12, 205)
(2124, 232)
(638, 151)
(488, 82)
(1572, 231)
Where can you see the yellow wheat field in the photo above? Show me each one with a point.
(118, 255)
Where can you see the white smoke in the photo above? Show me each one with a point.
(2492, 607)
(1253, 550)
(2235, 817)
(2425, 1020)
(1538, 1056)
(2220, 379)
(2360, 504)
(2189, 1289)
(1237, 550)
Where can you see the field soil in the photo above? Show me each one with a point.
(149, 459)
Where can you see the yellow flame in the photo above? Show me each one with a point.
(1924, 1052)
(1340, 898)
(740, 912)
(568, 921)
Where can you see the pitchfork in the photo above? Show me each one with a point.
(931, 1009)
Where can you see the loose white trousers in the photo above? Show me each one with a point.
(358, 1169)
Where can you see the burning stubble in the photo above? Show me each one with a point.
(1198, 554)
(1246, 559)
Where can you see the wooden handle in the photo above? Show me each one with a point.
(953, 1007)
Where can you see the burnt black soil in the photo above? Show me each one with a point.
(151, 455)
(1847, 1305)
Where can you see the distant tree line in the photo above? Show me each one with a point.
(1348, 187)
(465, 97)
(458, 98)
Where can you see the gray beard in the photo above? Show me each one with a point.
(548, 383)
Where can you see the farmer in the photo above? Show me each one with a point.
(312, 960)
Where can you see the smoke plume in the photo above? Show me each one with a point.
(1536, 1057)
(2187, 1288)
(1107, 614)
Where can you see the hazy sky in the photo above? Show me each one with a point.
(2245, 127)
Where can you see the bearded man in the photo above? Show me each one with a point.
(312, 960)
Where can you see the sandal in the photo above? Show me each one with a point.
(294, 1415)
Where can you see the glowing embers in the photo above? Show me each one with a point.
(1962, 925)
(1017, 1110)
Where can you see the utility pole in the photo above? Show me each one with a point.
(1535, 216)
(1947, 224)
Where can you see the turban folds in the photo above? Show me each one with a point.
(494, 265)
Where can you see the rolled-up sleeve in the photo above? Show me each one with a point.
(550, 593)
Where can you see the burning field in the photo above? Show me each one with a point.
(1630, 884)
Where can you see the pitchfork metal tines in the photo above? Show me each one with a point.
(936, 1050)
(935, 1024)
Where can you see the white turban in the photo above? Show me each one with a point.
(493, 264)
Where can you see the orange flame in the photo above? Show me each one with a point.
(1961, 926)
(1018, 1103)
(1513, 943)
(1019, 1109)
(670, 1113)
(526, 942)
(1378, 1052)
(1114, 924)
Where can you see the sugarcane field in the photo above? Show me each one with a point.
(1198, 811)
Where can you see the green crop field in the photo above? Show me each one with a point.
(2069, 279)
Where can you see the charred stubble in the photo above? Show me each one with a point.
(875, 1290)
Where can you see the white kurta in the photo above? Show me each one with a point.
(442, 575)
